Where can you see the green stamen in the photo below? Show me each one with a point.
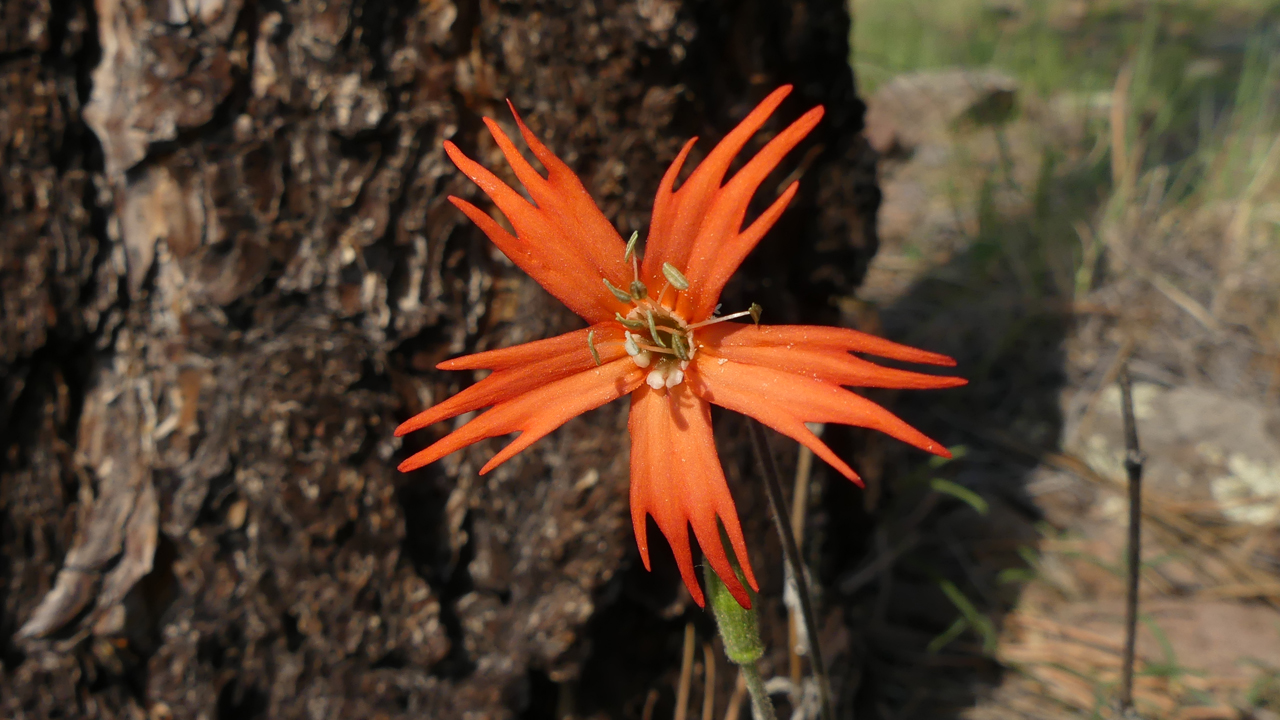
(680, 346)
(630, 324)
(653, 330)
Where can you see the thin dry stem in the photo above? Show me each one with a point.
(1133, 465)
(778, 509)
(799, 503)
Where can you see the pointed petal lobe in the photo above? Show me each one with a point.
(835, 366)
(542, 247)
(690, 203)
(785, 402)
(537, 412)
(520, 369)
(663, 202)
(676, 477)
(730, 333)
(721, 245)
(575, 209)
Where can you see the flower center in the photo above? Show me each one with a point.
(655, 335)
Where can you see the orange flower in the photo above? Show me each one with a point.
(653, 335)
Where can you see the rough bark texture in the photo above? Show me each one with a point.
(228, 269)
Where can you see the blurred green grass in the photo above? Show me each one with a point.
(1195, 63)
(1180, 103)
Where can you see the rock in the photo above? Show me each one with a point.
(1200, 445)
(923, 109)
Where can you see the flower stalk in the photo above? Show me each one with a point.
(740, 633)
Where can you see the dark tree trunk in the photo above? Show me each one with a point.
(228, 269)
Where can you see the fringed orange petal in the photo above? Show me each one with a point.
(729, 333)
(785, 402)
(704, 293)
(709, 381)
(721, 245)
(566, 196)
(676, 477)
(681, 216)
(606, 335)
(519, 369)
(834, 365)
(540, 246)
(663, 202)
(536, 412)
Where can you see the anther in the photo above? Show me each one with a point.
(632, 324)
(591, 345)
(631, 246)
(622, 295)
(653, 331)
(680, 346)
(675, 277)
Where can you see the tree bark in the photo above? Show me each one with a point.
(228, 270)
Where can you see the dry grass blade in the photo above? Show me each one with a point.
(686, 674)
(708, 682)
(1188, 304)
(735, 700)
(1120, 161)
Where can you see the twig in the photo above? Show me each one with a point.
(1133, 465)
(1108, 377)
(778, 508)
(686, 674)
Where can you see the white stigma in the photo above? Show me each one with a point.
(639, 356)
(674, 377)
(667, 374)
